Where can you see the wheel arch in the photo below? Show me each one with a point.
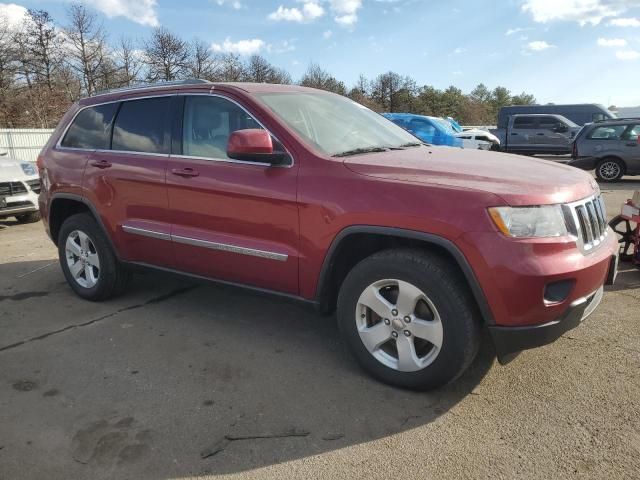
(355, 243)
(63, 205)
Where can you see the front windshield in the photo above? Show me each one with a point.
(445, 125)
(336, 125)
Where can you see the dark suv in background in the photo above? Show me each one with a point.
(611, 147)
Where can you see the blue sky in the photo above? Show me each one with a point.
(559, 50)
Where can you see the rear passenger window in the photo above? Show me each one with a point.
(524, 122)
(613, 132)
(91, 129)
(141, 126)
(207, 124)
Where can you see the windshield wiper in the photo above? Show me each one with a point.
(358, 151)
(412, 144)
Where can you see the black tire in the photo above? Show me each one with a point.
(113, 276)
(444, 285)
(610, 169)
(31, 217)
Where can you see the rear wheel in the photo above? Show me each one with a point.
(87, 260)
(408, 318)
(610, 169)
(31, 217)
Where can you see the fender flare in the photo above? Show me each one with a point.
(428, 238)
(92, 209)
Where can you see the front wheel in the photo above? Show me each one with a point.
(87, 260)
(409, 319)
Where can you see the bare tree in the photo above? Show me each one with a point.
(40, 48)
(128, 61)
(259, 70)
(203, 63)
(86, 46)
(316, 77)
(231, 68)
(166, 56)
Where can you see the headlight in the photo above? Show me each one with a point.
(521, 222)
(28, 169)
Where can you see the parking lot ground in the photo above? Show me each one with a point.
(180, 379)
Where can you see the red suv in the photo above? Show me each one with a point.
(310, 195)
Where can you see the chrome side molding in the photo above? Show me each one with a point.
(225, 247)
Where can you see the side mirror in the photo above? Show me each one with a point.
(254, 145)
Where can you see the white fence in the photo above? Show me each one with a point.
(24, 143)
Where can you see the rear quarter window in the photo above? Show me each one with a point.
(610, 132)
(91, 128)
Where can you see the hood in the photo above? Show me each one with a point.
(516, 179)
(10, 170)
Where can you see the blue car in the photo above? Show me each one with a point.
(433, 130)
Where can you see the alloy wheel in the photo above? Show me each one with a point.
(399, 325)
(609, 170)
(82, 259)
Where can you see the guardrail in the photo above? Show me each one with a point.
(24, 143)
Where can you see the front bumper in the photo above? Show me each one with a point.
(18, 204)
(19, 196)
(509, 341)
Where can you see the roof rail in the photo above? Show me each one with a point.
(617, 119)
(138, 86)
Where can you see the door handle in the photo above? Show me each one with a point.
(185, 172)
(101, 164)
(540, 134)
(512, 133)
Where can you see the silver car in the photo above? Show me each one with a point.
(610, 147)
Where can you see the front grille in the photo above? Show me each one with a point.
(588, 222)
(34, 185)
(9, 189)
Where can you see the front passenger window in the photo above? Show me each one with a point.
(208, 122)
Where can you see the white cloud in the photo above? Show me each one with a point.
(310, 11)
(12, 15)
(625, 22)
(285, 46)
(627, 55)
(139, 11)
(459, 50)
(345, 11)
(539, 46)
(235, 4)
(241, 47)
(581, 11)
(612, 42)
(327, 34)
(513, 31)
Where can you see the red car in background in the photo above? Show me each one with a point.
(309, 195)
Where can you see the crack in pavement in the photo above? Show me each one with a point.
(158, 299)
(223, 442)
